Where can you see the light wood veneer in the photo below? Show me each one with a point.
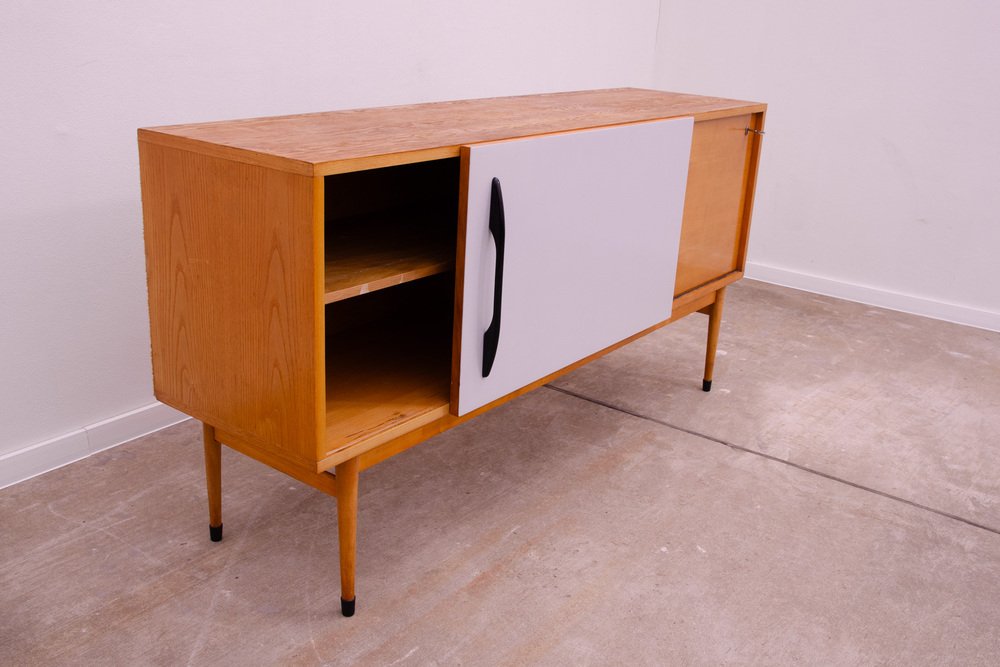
(302, 269)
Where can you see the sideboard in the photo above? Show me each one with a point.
(327, 290)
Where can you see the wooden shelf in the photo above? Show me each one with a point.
(370, 253)
(383, 380)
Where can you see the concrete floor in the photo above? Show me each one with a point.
(833, 501)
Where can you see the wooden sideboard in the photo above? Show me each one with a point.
(327, 290)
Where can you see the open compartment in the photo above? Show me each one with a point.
(388, 351)
(389, 226)
(388, 362)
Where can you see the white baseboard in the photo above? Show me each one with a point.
(873, 296)
(41, 457)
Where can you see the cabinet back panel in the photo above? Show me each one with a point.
(233, 297)
(422, 187)
(713, 204)
(429, 300)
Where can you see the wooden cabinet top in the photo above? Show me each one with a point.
(337, 141)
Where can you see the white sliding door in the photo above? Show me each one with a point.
(589, 228)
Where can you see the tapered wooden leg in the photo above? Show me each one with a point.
(714, 320)
(213, 478)
(347, 528)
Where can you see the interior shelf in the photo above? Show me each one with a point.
(382, 377)
(369, 253)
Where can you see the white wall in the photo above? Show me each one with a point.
(77, 79)
(879, 176)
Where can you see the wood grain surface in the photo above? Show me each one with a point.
(384, 379)
(370, 253)
(713, 204)
(233, 299)
(337, 141)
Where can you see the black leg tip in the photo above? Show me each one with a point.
(347, 606)
(706, 385)
(215, 532)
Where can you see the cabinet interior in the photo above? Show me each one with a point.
(390, 287)
(388, 226)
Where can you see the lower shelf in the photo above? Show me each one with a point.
(384, 381)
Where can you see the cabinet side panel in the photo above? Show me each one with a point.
(711, 236)
(233, 296)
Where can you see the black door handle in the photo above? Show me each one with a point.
(491, 339)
